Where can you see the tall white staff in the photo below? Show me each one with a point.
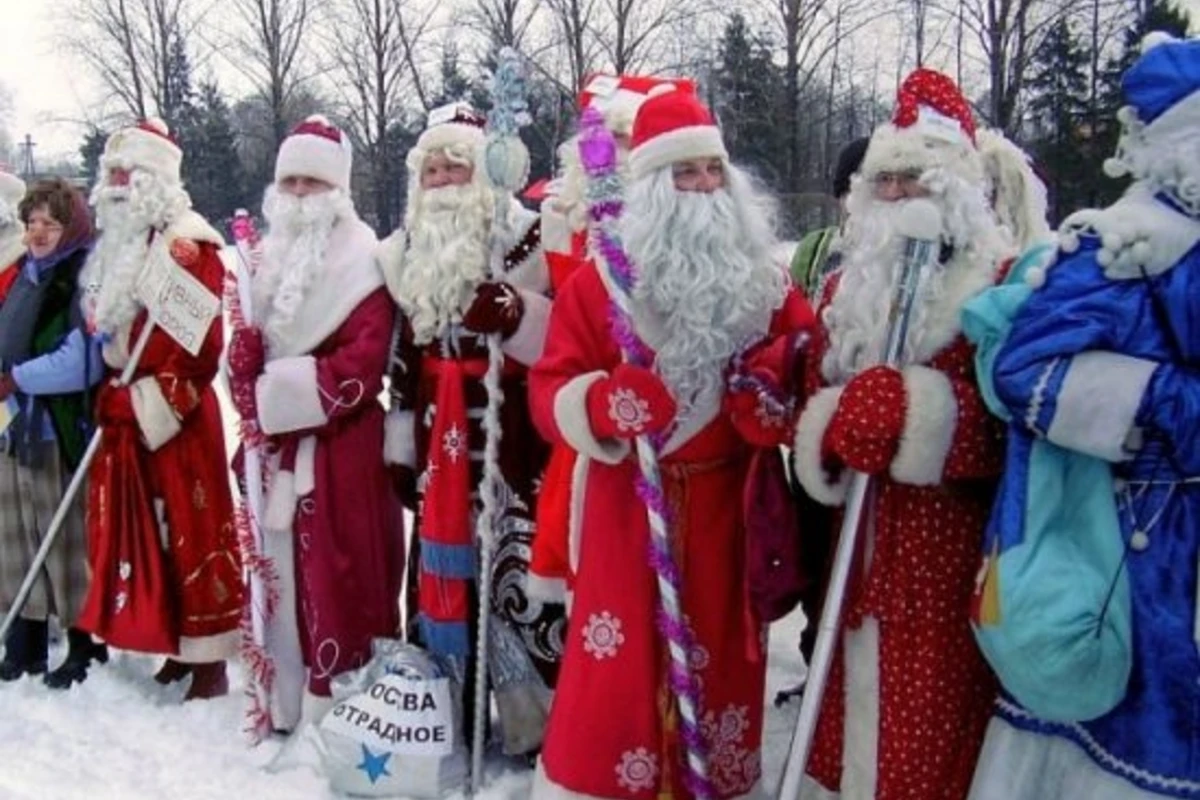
(183, 308)
(507, 163)
(919, 224)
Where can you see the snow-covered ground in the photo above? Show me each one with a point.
(120, 736)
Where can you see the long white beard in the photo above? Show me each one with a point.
(705, 275)
(857, 318)
(294, 254)
(446, 257)
(125, 216)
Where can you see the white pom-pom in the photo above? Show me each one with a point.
(318, 119)
(1115, 168)
(919, 219)
(157, 125)
(1154, 38)
(662, 88)
(1104, 257)
(1068, 242)
(1035, 277)
(1112, 241)
(1141, 252)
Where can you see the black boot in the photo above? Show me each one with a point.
(25, 649)
(81, 652)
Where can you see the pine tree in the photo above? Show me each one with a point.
(90, 152)
(212, 171)
(746, 88)
(1058, 89)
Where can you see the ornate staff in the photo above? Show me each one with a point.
(919, 225)
(507, 163)
(264, 596)
(597, 149)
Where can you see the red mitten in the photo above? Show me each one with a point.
(497, 308)
(114, 406)
(864, 433)
(630, 402)
(247, 353)
(760, 419)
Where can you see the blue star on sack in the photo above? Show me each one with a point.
(375, 766)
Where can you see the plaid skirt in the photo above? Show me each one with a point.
(28, 500)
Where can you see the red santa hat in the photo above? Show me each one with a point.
(618, 97)
(148, 145)
(932, 126)
(672, 125)
(316, 148)
(451, 125)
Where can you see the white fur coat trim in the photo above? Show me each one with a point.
(11, 250)
(349, 275)
(930, 420)
(289, 397)
(571, 417)
(155, 417)
(400, 438)
(526, 344)
(190, 225)
(1137, 232)
(207, 649)
(806, 453)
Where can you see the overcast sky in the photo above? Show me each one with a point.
(50, 91)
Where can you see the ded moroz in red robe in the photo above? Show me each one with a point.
(166, 478)
(909, 694)
(331, 523)
(612, 731)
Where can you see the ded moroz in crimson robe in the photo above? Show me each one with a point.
(166, 478)
(612, 731)
(909, 694)
(331, 523)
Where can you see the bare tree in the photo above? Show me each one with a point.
(574, 21)
(129, 44)
(503, 23)
(369, 52)
(632, 30)
(269, 38)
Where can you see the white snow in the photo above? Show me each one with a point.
(121, 736)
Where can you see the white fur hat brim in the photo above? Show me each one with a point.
(307, 155)
(131, 148)
(450, 134)
(12, 189)
(909, 149)
(681, 144)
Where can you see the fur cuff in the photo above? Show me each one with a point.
(289, 397)
(929, 423)
(155, 416)
(526, 343)
(810, 432)
(207, 649)
(571, 417)
(545, 589)
(400, 438)
(1097, 406)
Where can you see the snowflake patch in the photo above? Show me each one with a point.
(602, 635)
(630, 412)
(637, 770)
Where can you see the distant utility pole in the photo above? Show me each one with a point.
(27, 169)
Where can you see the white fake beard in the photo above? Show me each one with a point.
(125, 216)
(857, 318)
(704, 274)
(446, 257)
(294, 253)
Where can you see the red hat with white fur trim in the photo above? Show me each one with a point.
(149, 146)
(672, 125)
(316, 149)
(450, 125)
(932, 126)
(618, 97)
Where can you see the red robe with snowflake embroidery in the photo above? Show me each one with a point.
(166, 477)
(909, 694)
(613, 731)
